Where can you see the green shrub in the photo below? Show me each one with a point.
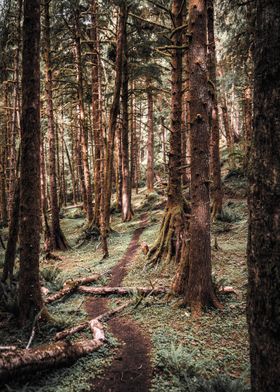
(52, 277)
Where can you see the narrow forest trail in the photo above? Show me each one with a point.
(130, 370)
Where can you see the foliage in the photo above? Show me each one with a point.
(9, 297)
(53, 278)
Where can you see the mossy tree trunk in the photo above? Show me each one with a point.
(30, 297)
(126, 175)
(217, 192)
(171, 244)
(150, 142)
(82, 119)
(10, 253)
(96, 112)
(228, 131)
(114, 111)
(263, 306)
(57, 238)
(198, 287)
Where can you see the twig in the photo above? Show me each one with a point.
(33, 329)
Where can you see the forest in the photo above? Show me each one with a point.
(139, 195)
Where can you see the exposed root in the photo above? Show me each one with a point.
(216, 210)
(54, 241)
(60, 241)
(171, 242)
(179, 282)
(92, 233)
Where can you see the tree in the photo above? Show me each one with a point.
(126, 174)
(87, 191)
(30, 297)
(217, 194)
(96, 112)
(114, 111)
(199, 289)
(57, 240)
(150, 142)
(263, 305)
(171, 241)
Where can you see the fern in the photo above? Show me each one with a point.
(221, 384)
(52, 277)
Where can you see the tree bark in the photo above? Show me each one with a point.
(228, 131)
(82, 122)
(96, 115)
(10, 253)
(217, 193)
(16, 115)
(30, 297)
(199, 290)
(263, 306)
(114, 111)
(126, 178)
(57, 239)
(150, 143)
(171, 242)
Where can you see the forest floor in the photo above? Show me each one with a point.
(154, 345)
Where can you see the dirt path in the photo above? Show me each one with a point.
(130, 370)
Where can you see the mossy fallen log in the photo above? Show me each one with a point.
(122, 290)
(22, 361)
(16, 362)
(80, 327)
(71, 286)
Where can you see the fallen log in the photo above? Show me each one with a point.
(73, 206)
(21, 361)
(78, 328)
(8, 348)
(122, 290)
(70, 286)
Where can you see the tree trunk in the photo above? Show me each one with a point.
(126, 179)
(133, 138)
(82, 122)
(30, 297)
(3, 190)
(58, 241)
(10, 253)
(114, 111)
(217, 193)
(119, 174)
(228, 131)
(171, 242)
(263, 307)
(15, 116)
(199, 290)
(150, 143)
(96, 115)
(248, 118)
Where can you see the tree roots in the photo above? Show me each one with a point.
(171, 244)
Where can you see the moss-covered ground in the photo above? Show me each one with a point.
(215, 344)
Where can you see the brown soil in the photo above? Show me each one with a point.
(130, 370)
